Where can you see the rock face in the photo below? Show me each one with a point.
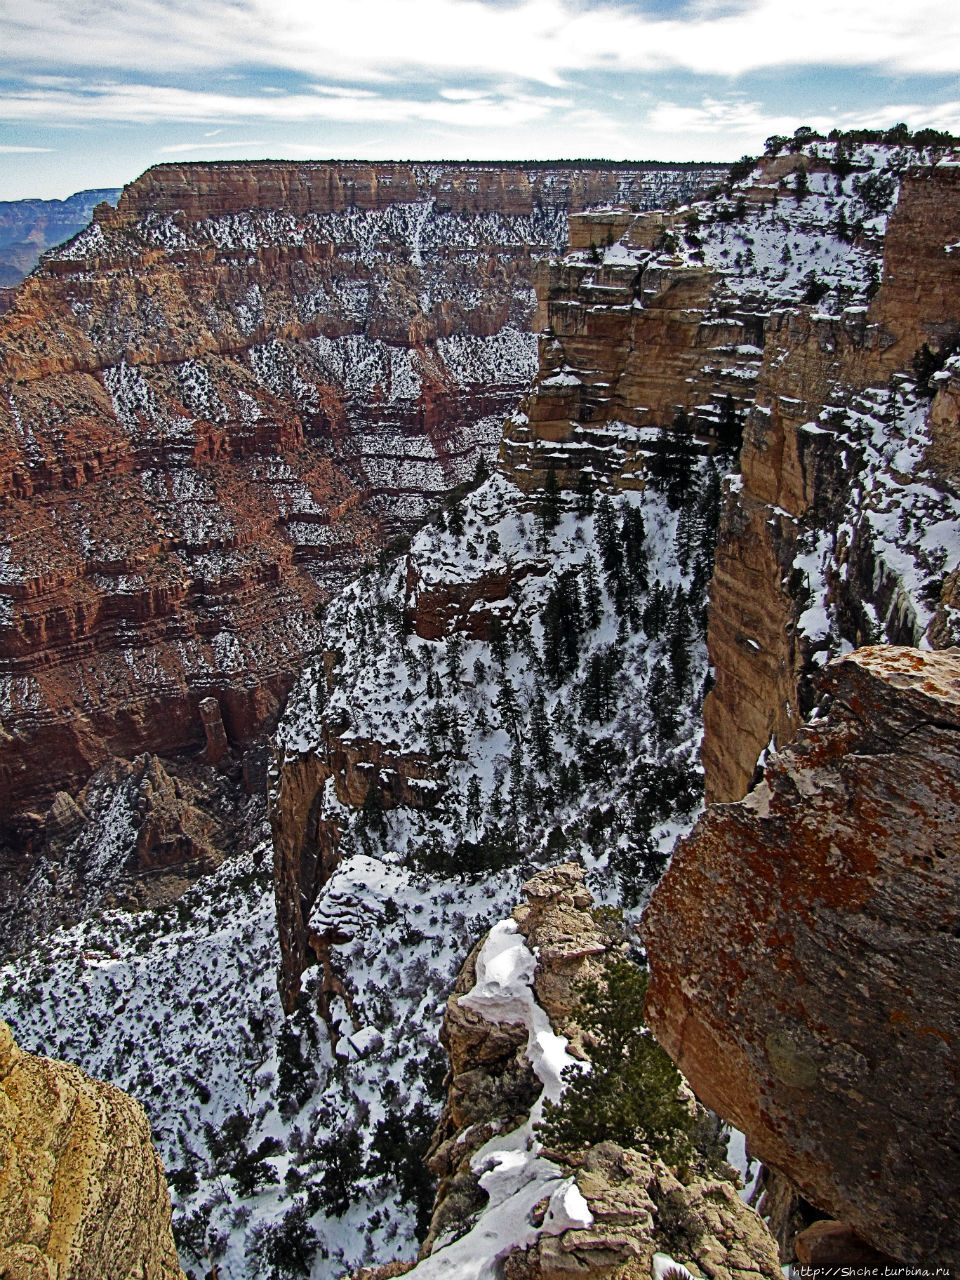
(726, 312)
(137, 835)
(629, 341)
(83, 1195)
(803, 951)
(638, 1206)
(223, 396)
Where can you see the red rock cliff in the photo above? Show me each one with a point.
(809, 445)
(804, 962)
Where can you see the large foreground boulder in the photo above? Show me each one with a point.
(82, 1190)
(805, 955)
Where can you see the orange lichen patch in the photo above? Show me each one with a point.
(899, 1018)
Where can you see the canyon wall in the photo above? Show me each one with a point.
(83, 1195)
(803, 954)
(764, 313)
(651, 318)
(219, 400)
(803, 527)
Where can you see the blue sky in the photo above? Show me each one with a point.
(92, 92)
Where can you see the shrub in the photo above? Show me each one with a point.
(926, 363)
(631, 1093)
(814, 289)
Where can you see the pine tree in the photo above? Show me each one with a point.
(509, 712)
(518, 776)
(592, 595)
(655, 614)
(455, 659)
(474, 802)
(801, 184)
(562, 621)
(541, 739)
(633, 534)
(597, 695)
(671, 464)
(631, 1094)
(455, 520)
(584, 494)
(498, 642)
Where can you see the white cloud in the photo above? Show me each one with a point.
(9, 151)
(720, 127)
(180, 148)
(541, 40)
(146, 104)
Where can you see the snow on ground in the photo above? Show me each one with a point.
(515, 1176)
(575, 733)
(899, 517)
(268, 1137)
(278, 1146)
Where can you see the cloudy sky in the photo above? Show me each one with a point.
(94, 91)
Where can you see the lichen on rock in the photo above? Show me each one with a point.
(804, 958)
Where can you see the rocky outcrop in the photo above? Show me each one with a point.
(219, 400)
(630, 341)
(83, 1195)
(804, 959)
(306, 837)
(637, 1206)
(28, 227)
(137, 835)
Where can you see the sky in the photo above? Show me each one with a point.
(92, 92)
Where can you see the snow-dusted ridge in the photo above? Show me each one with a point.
(512, 1172)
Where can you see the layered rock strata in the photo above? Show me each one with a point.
(218, 400)
(83, 1195)
(637, 1206)
(803, 951)
(637, 330)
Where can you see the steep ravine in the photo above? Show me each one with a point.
(510, 1029)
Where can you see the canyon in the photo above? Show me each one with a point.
(531, 676)
(220, 399)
